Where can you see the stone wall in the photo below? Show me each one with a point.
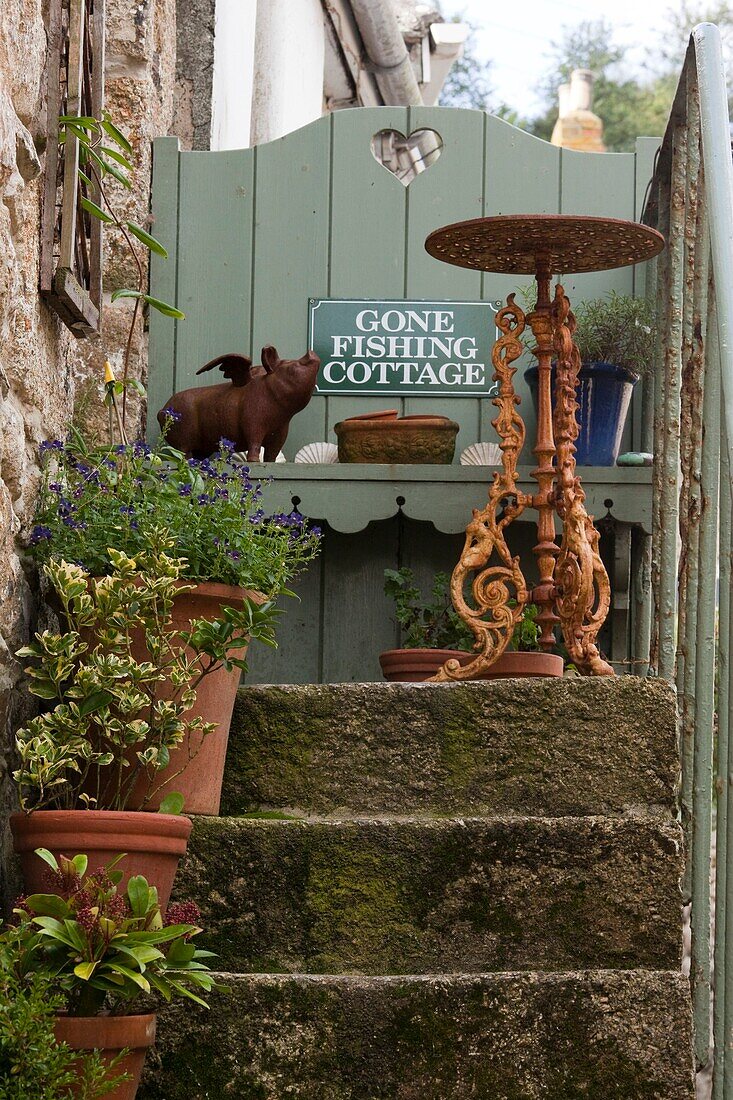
(43, 370)
(38, 357)
(194, 72)
(139, 91)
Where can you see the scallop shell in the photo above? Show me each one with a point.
(318, 453)
(481, 454)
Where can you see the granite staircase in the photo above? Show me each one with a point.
(440, 892)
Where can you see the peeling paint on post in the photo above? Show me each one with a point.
(692, 203)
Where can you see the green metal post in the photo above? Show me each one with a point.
(669, 430)
(658, 435)
(690, 412)
(692, 563)
(724, 918)
(642, 597)
(715, 129)
(702, 804)
(721, 1007)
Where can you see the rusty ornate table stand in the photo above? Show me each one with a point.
(573, 587)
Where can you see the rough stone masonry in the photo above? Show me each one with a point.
(46, 376)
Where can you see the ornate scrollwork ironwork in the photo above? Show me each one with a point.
(499, 591)
(573, 586)
(583, 590)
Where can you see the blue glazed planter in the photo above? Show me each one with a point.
(604, 395)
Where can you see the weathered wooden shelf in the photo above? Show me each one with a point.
(349, 497)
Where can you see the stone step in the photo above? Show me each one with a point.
(407, 896)
(600, 1035)
(546, 747)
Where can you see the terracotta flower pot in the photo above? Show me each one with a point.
(416, 665)
(539, 665)
(110, 1035)
(154, 843)
(200, 760)
(379, 437)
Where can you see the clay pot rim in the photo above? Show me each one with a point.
(528, 658)
(137, 1028)
(226, 593)
(386, 414)
(431, 423)
(117, 823)
(469, 653)
(425, 649)
(214, 588)
(197, 590)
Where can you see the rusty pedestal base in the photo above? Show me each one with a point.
(573, 589)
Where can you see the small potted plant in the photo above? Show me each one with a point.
(616, 338)
(104, 949)
(32, 1062)
(235, 555)
(433, 633)
(120, 681)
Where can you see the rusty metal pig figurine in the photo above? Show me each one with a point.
(253, 409)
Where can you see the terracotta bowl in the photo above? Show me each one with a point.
(416, 665)
(410, 439)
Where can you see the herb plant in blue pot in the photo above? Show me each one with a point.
(615, 338)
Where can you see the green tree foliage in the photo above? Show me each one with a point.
(665, 59)
(629, 104)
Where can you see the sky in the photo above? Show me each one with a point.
(517, 38)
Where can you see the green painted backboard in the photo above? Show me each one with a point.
(255, 234)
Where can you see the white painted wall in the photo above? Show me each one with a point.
(288, 67)
(234, 52)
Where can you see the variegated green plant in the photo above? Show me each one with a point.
(116, 718)
(104, 947)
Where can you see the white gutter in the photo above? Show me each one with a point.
(387, 53)
(448, 41)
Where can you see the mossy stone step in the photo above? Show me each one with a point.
(595, 1035)
(546, 747)
(405, 896)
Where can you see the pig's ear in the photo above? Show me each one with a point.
(233, 366)
(270, 359)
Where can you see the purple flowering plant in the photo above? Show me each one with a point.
(210, 508)
(104, 946)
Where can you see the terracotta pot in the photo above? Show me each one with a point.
(110, 1035)
(200, 760)
(416, 665)
(410, 439)
(412, 666)
(154, 843)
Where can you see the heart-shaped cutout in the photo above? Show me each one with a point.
(406, 157)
